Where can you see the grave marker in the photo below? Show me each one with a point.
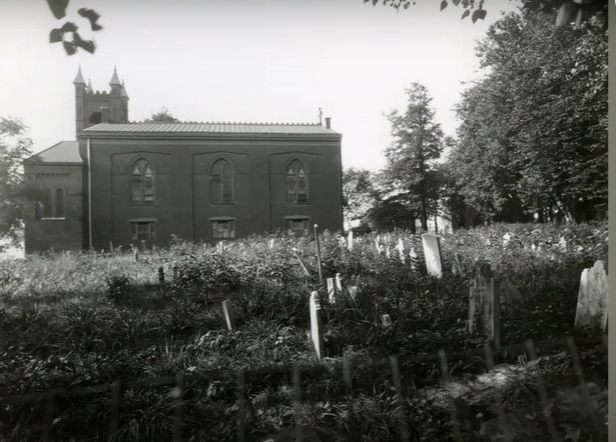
(350, 240)
(593, 298)
(161, 275)
(562, 244)
(331, 290)
(338, 283)
(315, 324)
(432, 252)
(506, 239)
(387, 251)
(271, 244)
(176, 271)
(316, 237)
(136, 255)
(400, 248)
(229, 317)
(352, 292)
(111, 247)
(386, 320)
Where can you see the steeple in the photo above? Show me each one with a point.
(89, 89)
(123, 94)
(115, 81)
(79, 78)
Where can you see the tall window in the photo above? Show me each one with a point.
(59, 204)
(298, 227)
(144, 232)
(222, 182)
(297, 188)
(142, 183)
(223, 229)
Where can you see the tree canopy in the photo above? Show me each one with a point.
(162, 116)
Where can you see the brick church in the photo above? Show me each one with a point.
(123, 183)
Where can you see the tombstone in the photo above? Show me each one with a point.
(331, 291)
(386, 320)
(229, 317)
(400, 248)
(506, 239)
(562, 244)
(315, 324)
(219, 247)
(387, 251)
(111, 247)
(484, 305)
(413, 257)
(136, 255)
(161, 275)
(176, 272)
(338, 283)
(456, 268)
(593, 298)
(432, 252)
(352, 292)
(350, 240)
(271, 244)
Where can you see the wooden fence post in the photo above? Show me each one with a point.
(316, 236)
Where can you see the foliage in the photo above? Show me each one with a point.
(67, 34)
(91, 318)
(533, 133)
(15, 188)
(411, 158)
(359, 194)
(162, 116)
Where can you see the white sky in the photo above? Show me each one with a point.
(244, 61)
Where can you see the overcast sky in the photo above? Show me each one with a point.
(244, 61)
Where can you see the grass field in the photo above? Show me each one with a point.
(72, 321)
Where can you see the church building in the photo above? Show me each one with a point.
(123, 183)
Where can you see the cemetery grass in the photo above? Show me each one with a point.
(88, 319)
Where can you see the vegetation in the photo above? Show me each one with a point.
(86, 319)
(162, 116)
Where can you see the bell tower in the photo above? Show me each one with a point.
(95, 107)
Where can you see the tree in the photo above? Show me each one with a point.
(67, 34)
(411, 158)
(533, 132)
(162, 116)
(565, 10)
(16, 190)
(359, 193)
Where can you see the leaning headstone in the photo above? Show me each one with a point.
(432, 252)
(593, 298)
(331, 291)
(228, 311)
(338, 283)
(315, 324)
(386, 320)
(350, 240)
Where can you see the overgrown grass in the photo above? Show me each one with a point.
(74, 320)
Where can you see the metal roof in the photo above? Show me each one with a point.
(205, 128)
(63, 152)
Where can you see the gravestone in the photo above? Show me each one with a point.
(456, 268)
(161, 275)
(386, 320)
(271, 243)
(111, 247)
(387, 251)
(331, 291)
(413, 257)
(593, 298)
(315, 324)
(136, 256)
(229, 317)
(562, 244)
(338, 283)
(484, 305)
(350, 240)
(506, 239)
(432, 252)
(400, 248)
(352, 292)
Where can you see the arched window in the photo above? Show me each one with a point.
(297, 186)
(59, 204)
(47, 204)
(96, 118)
(221, 182)
(142, 182)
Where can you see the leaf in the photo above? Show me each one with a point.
(465, 14)
(69, 47)
(93, 17)
(456, 2)
(478, 14)
(444, 4)
(374, 2)
(69, 27)
(55, 36)
(86, 45)
(58, 8)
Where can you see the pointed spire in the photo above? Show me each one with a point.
(89, 89)
(115, 81)
(79, 78)
(123, 92)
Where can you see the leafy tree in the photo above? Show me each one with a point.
(162, 116)
(359, 193)
(533, 132)
(565, 10)
(15, 188)
(67, 34)
(411, 158)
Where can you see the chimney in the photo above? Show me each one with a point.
(328, 123)
(105, 114)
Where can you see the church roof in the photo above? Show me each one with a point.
(115, 80)
(216, 128)
(63, 152)
(79, 78)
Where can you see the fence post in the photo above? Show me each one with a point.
(316, 236)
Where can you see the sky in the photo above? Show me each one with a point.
(245, 61)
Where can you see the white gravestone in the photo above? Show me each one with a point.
(331, 291)
(228, 311)
(413, 257)
(593, 298)
(386, 320)
(338, 283)
(432, 253)
(350, 240)
(400, 248)
(562, 244)
(315, 324)
(506, 239)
